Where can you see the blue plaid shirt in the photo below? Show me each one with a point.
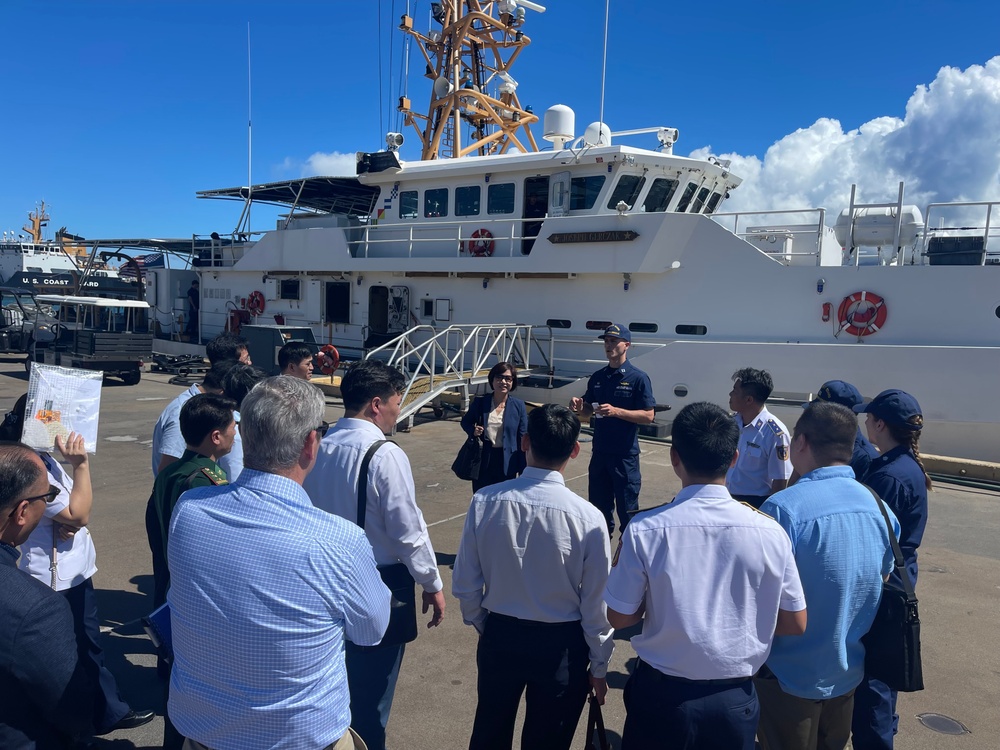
(264, 587)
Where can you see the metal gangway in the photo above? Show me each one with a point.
(459, 357)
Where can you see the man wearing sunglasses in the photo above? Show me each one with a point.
(46, 697)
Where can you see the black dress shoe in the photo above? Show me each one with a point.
(131, 720)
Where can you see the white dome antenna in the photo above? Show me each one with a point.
(597, 134)
(559, 123)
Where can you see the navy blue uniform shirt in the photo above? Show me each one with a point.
(899, 481)
(864, 454)
(626, 387)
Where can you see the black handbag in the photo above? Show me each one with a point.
(469, 459)
(402, 626)
(597, 738)
(892, 644)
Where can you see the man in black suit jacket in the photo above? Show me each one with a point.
(46, 699)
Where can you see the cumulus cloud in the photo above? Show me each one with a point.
(334, 164)
(946, 148)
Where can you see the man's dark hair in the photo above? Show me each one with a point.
(705, 438)
(756, 383)
(368, 379)
(502, 368)
(553, 431)
(217, 373)
(830, 429)
(204, 413)
(292, 353)
(225, 346)
(240, 380)
(18, 471)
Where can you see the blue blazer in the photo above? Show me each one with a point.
(46, 697)
(515, 424)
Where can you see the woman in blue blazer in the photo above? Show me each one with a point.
(501, 420)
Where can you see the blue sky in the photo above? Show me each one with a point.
(117, 112)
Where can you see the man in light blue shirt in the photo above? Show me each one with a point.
(265, 588)
(842, 550)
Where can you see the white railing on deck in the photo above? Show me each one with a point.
(815, 234)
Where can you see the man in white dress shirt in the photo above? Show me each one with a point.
(529, 575)
(716, 581)
(393, 523)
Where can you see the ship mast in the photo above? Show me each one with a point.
(37, 220)
(470, 56)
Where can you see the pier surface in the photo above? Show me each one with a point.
(959, 587)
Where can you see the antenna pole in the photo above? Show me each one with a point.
(249, 132)
(604, 67)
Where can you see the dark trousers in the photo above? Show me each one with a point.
(875, 721)
(664, 712)
(372, 672)
(550, 661)
(614, 481)
(109, 708)
(492, 469)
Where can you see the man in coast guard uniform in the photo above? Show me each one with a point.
(620, 397)
(762, 467)
(712, 582)
(845, 394)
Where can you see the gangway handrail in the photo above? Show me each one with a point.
(455, 358)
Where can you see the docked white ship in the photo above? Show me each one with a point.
(592, 230)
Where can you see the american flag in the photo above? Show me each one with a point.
(153, 260)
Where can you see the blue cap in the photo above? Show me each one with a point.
(839, 392)
(617, 331)
(893, 406)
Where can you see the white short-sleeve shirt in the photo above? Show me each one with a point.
(713, 574)
(764, 456)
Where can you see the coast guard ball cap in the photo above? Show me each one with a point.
(617, 331)
(893, 406)
(839, 392)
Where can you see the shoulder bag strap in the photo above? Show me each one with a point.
(595, 722)
(897, 553)
(363, 479)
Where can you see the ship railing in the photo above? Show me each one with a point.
(777, 221)
(458, 358)
(221, 250)
(945, 214)
(503, 239)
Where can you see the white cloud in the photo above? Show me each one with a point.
(334, 164)
(946, 148)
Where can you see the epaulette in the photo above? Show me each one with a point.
(755, 510)
(775, 426)
(215, 474)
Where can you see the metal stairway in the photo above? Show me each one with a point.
(460, 357)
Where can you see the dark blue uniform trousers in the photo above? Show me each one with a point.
(614, 481)
(670, 713)
(109, 708)
(372, 673)
(550, 661)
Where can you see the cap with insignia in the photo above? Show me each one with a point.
(617, 331)
(893, 406)
(839, 392)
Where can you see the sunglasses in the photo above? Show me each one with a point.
(48, 497)
(322, 429)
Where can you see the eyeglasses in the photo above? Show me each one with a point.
(48, 497)
(505, 378)
(322, 429)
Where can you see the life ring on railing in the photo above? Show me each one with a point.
(862, 313)
(328, 359)
(481, 244)
(255, 303)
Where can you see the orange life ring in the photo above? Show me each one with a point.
(328, 359)
(862, 313)
(481, 244)
(255, 302)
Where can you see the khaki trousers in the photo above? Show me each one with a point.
(350, 741)
(788, 722)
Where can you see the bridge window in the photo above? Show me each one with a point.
(597, 325)
(435, 203)
(583, 192)
(559, 323)
(686, 198)
(500, 198)
(643, 327)
(659, 195)
(699, 202)
(408, 204)
(713, 203)
(689, 330)
(628, 188)
(467, 201)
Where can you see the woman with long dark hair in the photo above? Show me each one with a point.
(894, 424)
(501, 420)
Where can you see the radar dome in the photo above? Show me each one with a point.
(597, 134)
(559, 123)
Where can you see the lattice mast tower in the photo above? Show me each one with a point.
(469, 62)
